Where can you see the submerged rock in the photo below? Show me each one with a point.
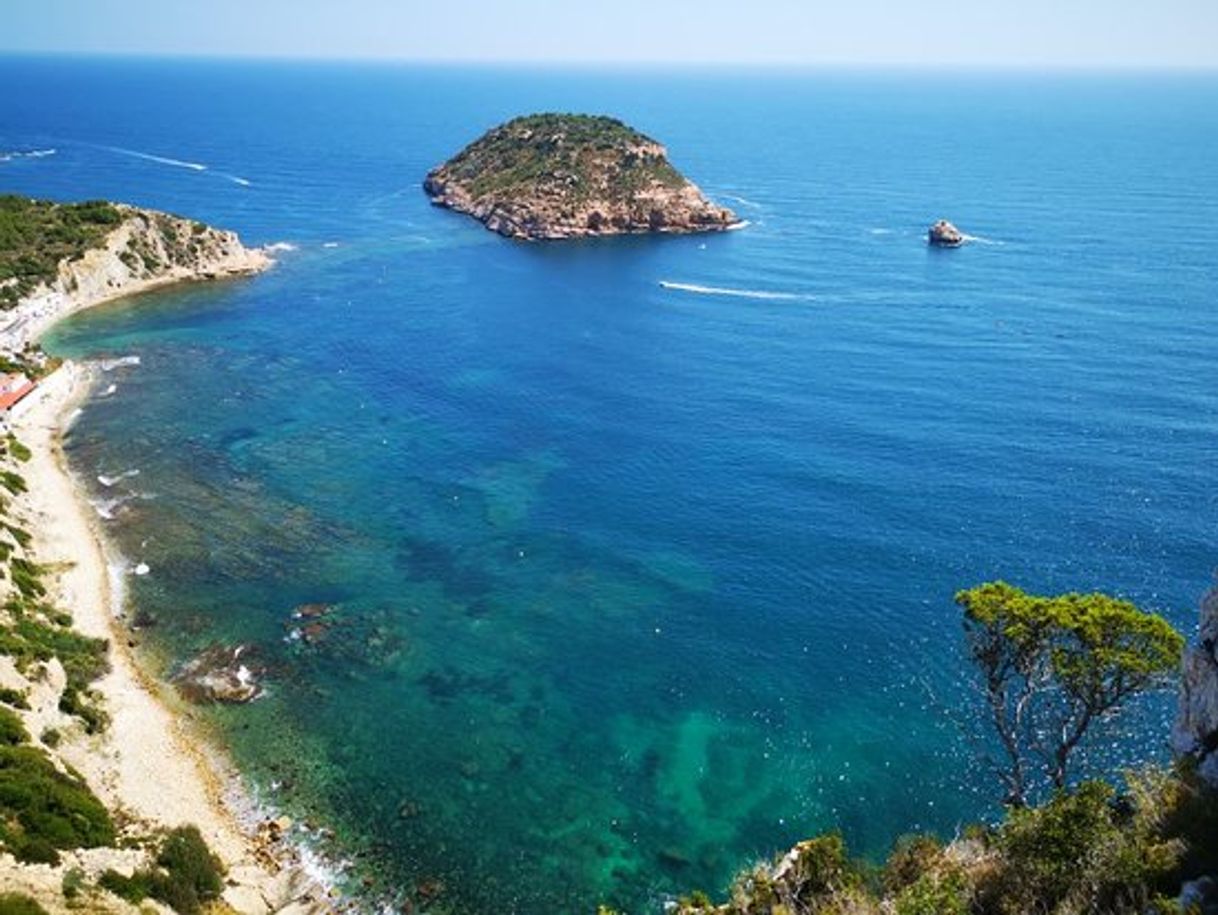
(554, 176)
(222, 673)
(311, 611)
(945, 235)
(1196, 729)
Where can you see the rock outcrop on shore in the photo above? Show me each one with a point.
(1195, 733)
(556, 176)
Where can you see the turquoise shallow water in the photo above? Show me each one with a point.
(635, 583)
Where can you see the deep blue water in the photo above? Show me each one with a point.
(635, 584)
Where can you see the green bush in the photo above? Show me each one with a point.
(73, 883)
(19, 904)
(935, 894)
(13, 482)
(14, 697)
(28, 641)
(134, 889)
(912, 857)
(43, 809)
(12, 730)
(27, 577)
(17, 449)
(186, 875)
(35, 235)
(1079, 850)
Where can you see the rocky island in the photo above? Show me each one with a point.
(555, 176)
(944, 235)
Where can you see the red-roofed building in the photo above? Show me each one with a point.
(13, 387)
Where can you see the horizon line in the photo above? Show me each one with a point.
(618, 64)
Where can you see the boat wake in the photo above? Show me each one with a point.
(176, 163)
(26, 154)
(766, 295)
(980, 240)
(281, 246)
(163, 160)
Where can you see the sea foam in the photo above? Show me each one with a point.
(109, 481)
(109, 365)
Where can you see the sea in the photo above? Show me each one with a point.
(639, 554)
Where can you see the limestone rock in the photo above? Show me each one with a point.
(945, 235)
(1196, 729)
(555, 176)
(222, 673)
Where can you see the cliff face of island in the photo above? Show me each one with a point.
(556, 176)
(60, 258)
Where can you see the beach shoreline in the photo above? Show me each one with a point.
(149, 766)
(152, 766)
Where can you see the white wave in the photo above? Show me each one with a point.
(983, 241)
(109, 391)
(163, 160)
(330, 244)
(737, 226)
(244, 182)
(880, 231)
(107, 509)
(125, 475)
(741, 200)
(109, 365)
(27, 154)
(737, 293)
(281, 246)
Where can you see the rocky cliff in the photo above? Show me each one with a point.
(554, 176)
(1196, 730)
(142, 250)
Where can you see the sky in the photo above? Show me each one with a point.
(998, 33)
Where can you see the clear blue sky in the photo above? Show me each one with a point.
(1105, 33)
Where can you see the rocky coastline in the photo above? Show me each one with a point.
(563, 176)
(147, 249)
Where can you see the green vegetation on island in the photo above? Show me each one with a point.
(552, 176)
(580, 149)
(36, 235)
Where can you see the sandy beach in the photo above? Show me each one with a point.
(147, 766)
(151, 767)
